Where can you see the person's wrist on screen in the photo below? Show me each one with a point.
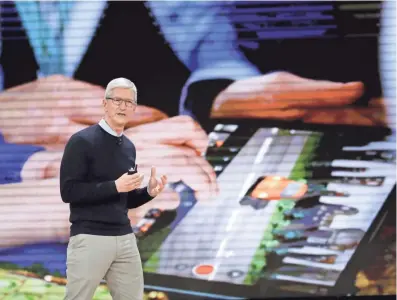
(201, 95)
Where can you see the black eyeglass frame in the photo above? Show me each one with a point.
(118, 101)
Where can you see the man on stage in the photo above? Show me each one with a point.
(100, 181)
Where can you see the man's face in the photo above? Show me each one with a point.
(120, 106)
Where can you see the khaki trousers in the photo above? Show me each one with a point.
(90, 258)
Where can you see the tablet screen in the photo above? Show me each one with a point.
(293, 205)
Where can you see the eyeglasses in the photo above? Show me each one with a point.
(128, 103)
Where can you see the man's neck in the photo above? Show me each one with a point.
(118, 129)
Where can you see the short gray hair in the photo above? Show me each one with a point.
(120, 83)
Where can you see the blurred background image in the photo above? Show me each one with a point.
(273, 120)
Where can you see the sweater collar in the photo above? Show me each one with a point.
(105, 126)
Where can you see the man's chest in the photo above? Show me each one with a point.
(110, 164)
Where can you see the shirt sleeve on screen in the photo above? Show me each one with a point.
(230, 71)
(217, 55)
(12, 159)
(200, 97)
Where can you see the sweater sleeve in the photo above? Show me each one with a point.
(138, 198)
(74, 184)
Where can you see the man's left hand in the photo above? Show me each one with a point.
(155, 186)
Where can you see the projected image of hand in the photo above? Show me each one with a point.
(174, 147)
(285, 96)
(49, 110)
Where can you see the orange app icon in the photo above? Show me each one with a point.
(278, 187)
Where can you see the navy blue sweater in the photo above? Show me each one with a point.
(92, 161)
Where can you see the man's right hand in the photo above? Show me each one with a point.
(127, 183)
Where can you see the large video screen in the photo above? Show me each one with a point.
(273, 120)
